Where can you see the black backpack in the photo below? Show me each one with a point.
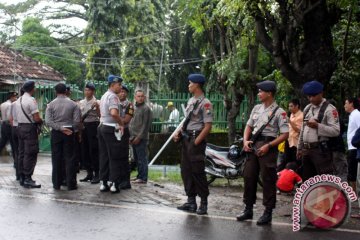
(355, 141)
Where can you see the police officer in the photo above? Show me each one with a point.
(262, 154)
(90, 117)
(194, 132)
(14, 135)
(28, 117)
(5, 122)
(63, 117)
(111, 149)
(313, 146)
(126, 110)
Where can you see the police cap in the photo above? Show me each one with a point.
(114, 78)
(60, 88)
(312, 88)
(197, 78)
(267, 86)
(125, 88)
(90, 86)
(28, 86)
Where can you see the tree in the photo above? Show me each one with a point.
(10, 18)
(143, 50)
(107, 24)
(298, 36)
(35, 35)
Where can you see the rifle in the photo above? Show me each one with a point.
(187, 120)
(87, 113)
(256, 135)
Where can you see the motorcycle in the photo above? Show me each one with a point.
(225, 162)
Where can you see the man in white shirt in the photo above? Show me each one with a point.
(5, 108)
(351, 106)
(174, 117)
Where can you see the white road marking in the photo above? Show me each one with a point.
(98, 204)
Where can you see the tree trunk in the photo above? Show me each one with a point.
(233, 113)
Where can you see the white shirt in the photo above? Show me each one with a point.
(354, 124)
(5, 110)
(174, 117)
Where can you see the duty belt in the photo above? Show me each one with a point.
(265, 138)
(311, 145)
(109, 124)
(193, 133)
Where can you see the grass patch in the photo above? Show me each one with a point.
(175, 177)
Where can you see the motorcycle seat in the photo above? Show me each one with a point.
(218, 148)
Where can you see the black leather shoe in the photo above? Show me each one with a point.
(125, 185)
(29, 183)
(87, 178)
(63, 183)
(246, 214)
(203, 208)
(70, 188)
(265, 218)
(189, 206)
(95, 180)
(21, 180)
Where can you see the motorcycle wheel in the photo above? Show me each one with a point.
(210, 178)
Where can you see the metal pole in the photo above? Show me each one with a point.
(169, 139)
(162, 58)
(167, 142)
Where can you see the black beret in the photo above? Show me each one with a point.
(197, 78)
(114, 78)
(312, 88)
(60, 88)
(90, 86)
(267, 86)
(28, 86)
(125, 87)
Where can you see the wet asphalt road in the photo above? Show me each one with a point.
(36, 216)
(144, 212)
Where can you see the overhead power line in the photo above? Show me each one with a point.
(105, 43)
(124, 65)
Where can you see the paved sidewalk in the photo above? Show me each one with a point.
(224, 201)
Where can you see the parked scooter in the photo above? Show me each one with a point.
(225, 162)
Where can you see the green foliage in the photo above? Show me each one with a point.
(35, 35)
(345, 81)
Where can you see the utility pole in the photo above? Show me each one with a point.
(162, 39)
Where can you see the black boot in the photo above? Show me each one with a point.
(246, 214)
(189, 206)
(96, 179)
(203, 207)
(22, 179)
(265, 218)
(89, 177)
(29, 183)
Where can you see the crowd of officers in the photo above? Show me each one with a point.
(313, 140)
(109, 126)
